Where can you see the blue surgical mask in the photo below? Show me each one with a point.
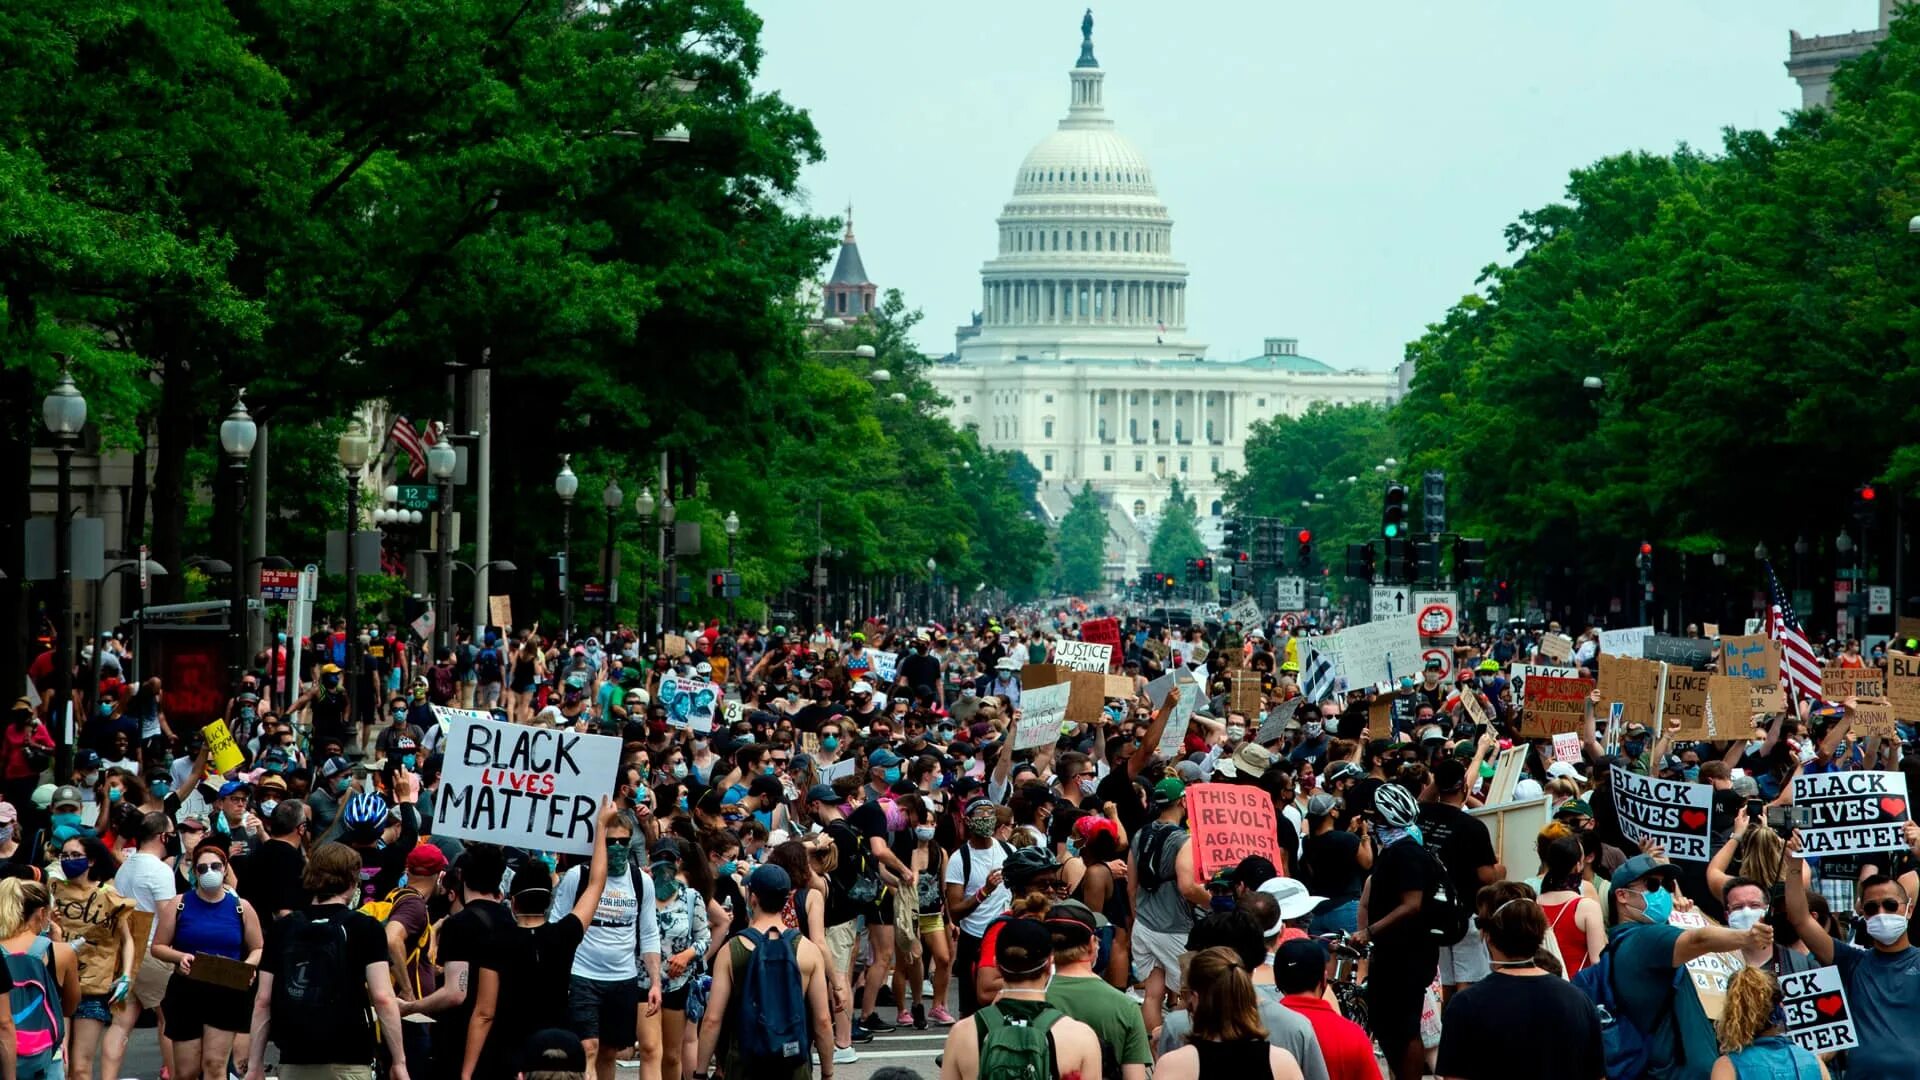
(923, 832)
(66, 821)
(113, 794)
(679, 770)
(1659, 906)
(74, 869)
(766, 770)
(1691, 772)
(407, 760)
(892, 775)
(830, 743)
(727, 868)
(160, 789)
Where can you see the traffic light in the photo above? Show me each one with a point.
(1304, 549)
(1393, 517)
(723, 584)
(1426, 561)
(1234, 535)
(1360, 561)
(1200, 570)
(1397, 569)
(1864, 502)
(1260, 542)
(1644, 559)
(1241, 569)
(1502, 594)
(1469, 558)
(1433, 498)
(1168, 583)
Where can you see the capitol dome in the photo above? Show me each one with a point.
(1085, 264)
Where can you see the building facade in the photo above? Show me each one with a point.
(1081, 355)
(1812, 61)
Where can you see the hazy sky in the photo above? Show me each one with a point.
(1336, 172)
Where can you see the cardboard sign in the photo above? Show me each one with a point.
(1174, 736)
(884, 665)
(1506, 774)
(1674, 814)
(1274, 727)
(1083, 655)
(1729, 707)
(690, 703)
(1710, 629)
(1476, 709)
(1557, 647)
(843, 767)
(526, 787)
(1679, 652)
(1906, 626)
(1874, 718)
(1634, 684)
(1838, 684)
(673, 646)
(1630, 643)
(1686, 701)
(500, 611)
(1244, 695)
(222, 752)
(1042, 710)
(1553, 704)
(1087, 703)
(1754, 658)
(1710, 972)
(1903, 686)
(810, 742)
(1846, 813)
(1230, 822)
(1566, 747)
(1817, 1014)
(1118, 686)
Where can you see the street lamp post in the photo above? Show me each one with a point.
(644, 507)
(65, 413)
(932, 582)
(670, 600)
(441, 460)
(354, 448)
(611, 498)
(1843, 544)
(732, 527)
(237, 435)
(565, 485)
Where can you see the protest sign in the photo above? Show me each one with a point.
(222, 753)
(1083, 655)
(1729, 707)
(1042, 710)
(1710, 629)
(673, 646)
(1845, 813)
(1553, 704)
(1710, 972)
(445, 716)
(1679, 652)
(1032, 675)
(525, 787)
(689, 702)
(1674, 814)
(1817, 1014)
(500, 611)
(1105, 631)
(1633, 684)
(1840, 683)
(1557, 647)
(734, 713)
(1118, 686)
(884, 665)
(1566, 747)
(1686, 701)
(1754, 658)
(1629, 643)
(1506, 774)
(1476, 708)
(1229, 823)
(1903, 686)
(1374, 652)
(1088, 701)
(843, 767)
(1274, 727)
(1874, 718)
(1246, 613)
(1174, 735)
(1243, 694)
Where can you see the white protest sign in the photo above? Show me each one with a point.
(447, 716)
(1846, 813)
(1817, 1014)
(1674, 814)
(735, 712)
(1374, 652)
(1629, 642)
(689, 702)
(843, 767)
(884, 664)
(1174, 736)
(525, 787)
(1082, 656)
(1042, 709)
(1246, 613)
(1566, 747)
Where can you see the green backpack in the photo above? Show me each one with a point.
(1014, 1046)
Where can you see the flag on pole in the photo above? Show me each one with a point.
(1799, 668)
(1318, 681)
(414, 443)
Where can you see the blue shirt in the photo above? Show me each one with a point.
(1660, 1001)
(1883, 994)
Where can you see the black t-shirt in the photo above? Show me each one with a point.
(270, 878)
(1360, 796)
(1520, 1026)
(1333, 866)
(921, 670)
(535, 966)
(351, 1030)
(1402, 868)
(839, 908)
(1462, 842)
(1117, 788)
(810, 717)
(471, 936)
(990, 654)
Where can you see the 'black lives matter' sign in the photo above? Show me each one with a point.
(1845, 813)
(526, 787)
(1671, 813)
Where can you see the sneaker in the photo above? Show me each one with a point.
(861, 1035)
(919, 1014)
(875, 1024)
(885, 996)
(940, 1015)
(845, 1055)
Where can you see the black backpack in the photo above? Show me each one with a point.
(487, 665)
(316, 984)
(1153, 847)
(1445, 915)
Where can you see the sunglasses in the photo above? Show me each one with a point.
(1885, 906)
(209, 868)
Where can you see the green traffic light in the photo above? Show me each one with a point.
(1391, 531)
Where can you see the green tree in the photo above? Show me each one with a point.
(1176, 538)
(1081, 544)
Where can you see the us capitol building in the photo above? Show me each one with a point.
(1081, 356)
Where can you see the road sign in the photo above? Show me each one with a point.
(1439, 613)
(1290, 594)
(1391, 600)
(418, 496)
(1444, 655)
(1841, 591)
(279, 584)
(1879, 600)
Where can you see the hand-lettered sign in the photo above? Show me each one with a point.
(1042, 708)
(1229, 823)
(526, 787)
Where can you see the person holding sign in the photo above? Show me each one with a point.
(1753, 1034)
(1879, 982)
(210, 929)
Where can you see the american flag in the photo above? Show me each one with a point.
(1799, 668)
(414, 443)
(1318, 681)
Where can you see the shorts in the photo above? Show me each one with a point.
(486, 695)
(1394, 1004)
(1466, 961)
(676, 999)
(192, 1007)
(932, 924)
(880, 912)
(1157, 949)
(326, 1072)
(150, 982)
(607, 1011)
(94, 1007)
(841, 938)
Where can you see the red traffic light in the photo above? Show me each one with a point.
(1866, 493)
(1646, 548)
(1306, 536)
(1242, 557)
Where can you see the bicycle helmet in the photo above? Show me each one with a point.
(365, 810)
(1026, 864)
(1396, 805)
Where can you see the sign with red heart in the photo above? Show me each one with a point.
(1672, 813)
(1848, 813)
(1818, 1018)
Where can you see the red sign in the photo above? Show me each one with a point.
(1103, 631)
(279, 584)
(192, 666)
(1230, 822)
(1436, 620)
(1445, 656)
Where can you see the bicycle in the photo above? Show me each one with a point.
(1348, 989)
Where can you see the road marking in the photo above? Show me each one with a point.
(865, 1054)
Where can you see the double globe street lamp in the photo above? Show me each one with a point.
(237, 435)
(65, 413)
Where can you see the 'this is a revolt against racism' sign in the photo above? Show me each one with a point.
(1229, 823)
(1671, 813)
(1845, 813)
(527, 787)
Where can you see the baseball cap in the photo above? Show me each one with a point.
(1294, 900)
(1300, 962)
(1024, 948)
(334, 766)
(824, 793)
(86, 760)
(1190, 772)
(1562, 770)
(231, 787)
(883, 758)
(553, 1051)
(1574, 808)
(1075, 916)
(1321, 804)
(1168, 791)
(426, 859)
(860, 686)
(65, 795)
(1638, 867)
(769, 879)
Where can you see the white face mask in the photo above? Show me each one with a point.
(211, 880)
(1743, 919)
(1886, 929)
(1236, 733)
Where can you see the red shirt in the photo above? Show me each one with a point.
(41, 671)
(13, 744)
(1346, 1046)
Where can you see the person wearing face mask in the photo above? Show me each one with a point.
(975, 893)
(329, 707)
(1882, 993)
(96, 918)
(920, 668)
(1519, 1020)
(1646, 952)
(203, 1018)
(687, 928)
(1747, 903)
(604, 995)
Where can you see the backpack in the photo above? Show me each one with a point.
(1446, 916)
(966, 860)
(487, 665)
(1153, 847)
(1623, 1043)
(776, 1037)
(1013, 1048)
(421, 947)
(35, 1004)
(315, 980)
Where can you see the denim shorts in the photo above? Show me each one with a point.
(94, 1007)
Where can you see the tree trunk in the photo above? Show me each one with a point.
(134, 527)
(170, 483)
(16, 450)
